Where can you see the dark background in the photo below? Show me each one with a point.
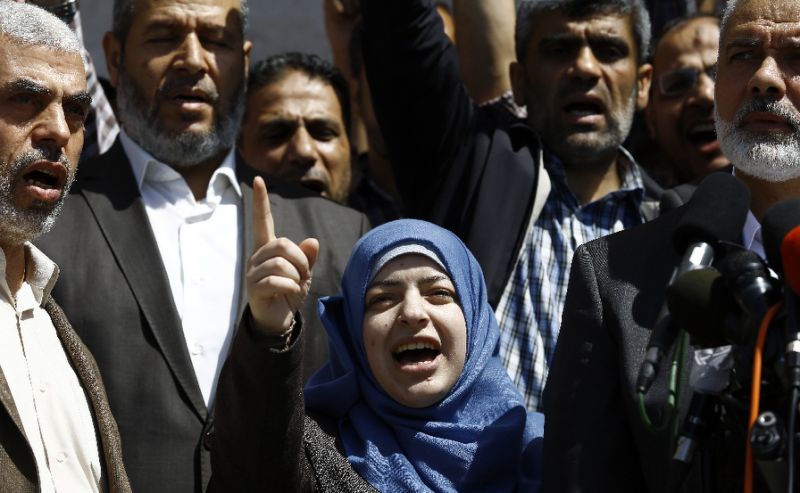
(275, 26)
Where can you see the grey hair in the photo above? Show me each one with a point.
(124, 10)
(726, 15)
(528, 10)
(29, 25)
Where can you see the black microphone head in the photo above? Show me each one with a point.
(716, 212)
(700, 302)
(779, 220)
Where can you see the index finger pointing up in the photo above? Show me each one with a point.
(263, 226)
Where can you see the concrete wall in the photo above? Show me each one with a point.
(275, 26)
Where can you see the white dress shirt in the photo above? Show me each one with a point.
(200, 245)
(49, 398)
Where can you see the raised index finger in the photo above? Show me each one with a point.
(263, 226)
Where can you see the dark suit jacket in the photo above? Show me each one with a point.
(457, 165)
(116, 292)
(594, 439)
(17, 465)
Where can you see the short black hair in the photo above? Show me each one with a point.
(529, 10)
(274, 68)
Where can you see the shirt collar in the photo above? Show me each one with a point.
(632, 182)
(147, 168)
(41, 273)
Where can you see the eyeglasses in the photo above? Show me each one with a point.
(679, 82)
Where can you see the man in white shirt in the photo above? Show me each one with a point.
(155, 232)
(57, 431)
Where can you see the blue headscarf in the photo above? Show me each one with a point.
(478, 438)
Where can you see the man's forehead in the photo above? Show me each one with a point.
(698, 38)
(556, 24)
(751, 15)
(299, 95)
(182, 9)
(55, 70)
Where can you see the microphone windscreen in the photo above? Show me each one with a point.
(779, 220)
(716, 212)
(790, 255)
(699, 302)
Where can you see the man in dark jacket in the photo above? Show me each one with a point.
(521, 197)
(595, 439)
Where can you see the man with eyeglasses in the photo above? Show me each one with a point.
(680, 114)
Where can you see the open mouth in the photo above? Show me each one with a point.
(188, 95)
(583, 108)
(702, 134)
(316, 185)
(415, 353)
(45, 180)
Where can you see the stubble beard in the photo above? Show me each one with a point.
(591, 147)
(23, 225)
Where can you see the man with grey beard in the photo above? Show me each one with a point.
(57, 431)
(522, 197)
(158, 230)
(594, 437)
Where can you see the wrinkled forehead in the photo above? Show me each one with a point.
(41, 66)
(765, 17)
(188, 11)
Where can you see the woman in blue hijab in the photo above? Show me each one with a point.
(414, 396)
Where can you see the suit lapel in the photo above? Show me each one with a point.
(111, 192)
(8, 403)
(88, 374)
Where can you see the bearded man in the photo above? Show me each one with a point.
(156, 231)
(594, 438)
(57, 431)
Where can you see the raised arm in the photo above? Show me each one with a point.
(421, 103)
(485, 45)
(258, 442)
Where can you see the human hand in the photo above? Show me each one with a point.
(279, 272)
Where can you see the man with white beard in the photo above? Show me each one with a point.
(57, 431)
(158, 231)
(594, 439)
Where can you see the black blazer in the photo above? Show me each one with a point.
(594, 440)
(116, 292)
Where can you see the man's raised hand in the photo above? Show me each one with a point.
(279, 271)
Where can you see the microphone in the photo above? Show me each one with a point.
(716, 212)
(702, 305)
(782, 246)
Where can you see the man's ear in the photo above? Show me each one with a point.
(644, 79)
(113, 51)
(246, 49)
(518, 82)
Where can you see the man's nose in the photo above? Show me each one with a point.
(768, 80)
(51, 128)
(585, 65)
(302, 148)
(191, 56)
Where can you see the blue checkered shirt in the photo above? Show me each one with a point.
(529, 312)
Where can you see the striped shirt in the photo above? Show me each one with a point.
(529, 312)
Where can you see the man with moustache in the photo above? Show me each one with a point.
(57, 431)
(166, 215)
(297, 123)
(594, 439)
(521, 197)
(680, 113)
